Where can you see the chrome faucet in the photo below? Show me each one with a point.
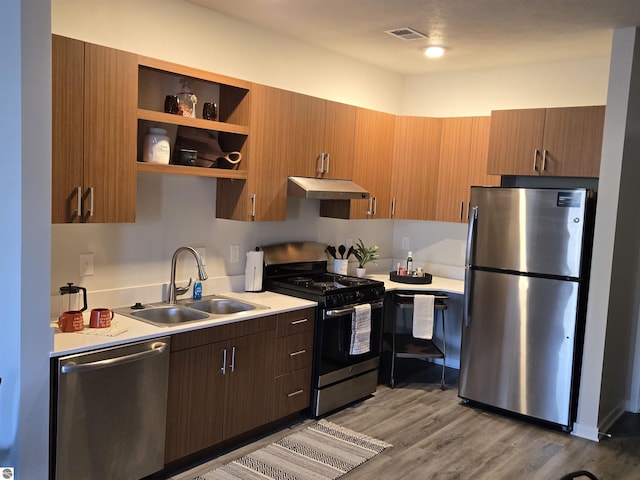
(173, 289)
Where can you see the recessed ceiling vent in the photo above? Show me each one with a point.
(406, 33)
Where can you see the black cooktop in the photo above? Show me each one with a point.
(327, 282)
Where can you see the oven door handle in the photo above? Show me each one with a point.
(338, 312)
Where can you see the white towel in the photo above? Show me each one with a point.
(360, 329)
(423, 316)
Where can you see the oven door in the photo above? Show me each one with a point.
(335, 329)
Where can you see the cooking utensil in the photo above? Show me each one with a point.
(332, 251)
(342, 250)
(350, 251)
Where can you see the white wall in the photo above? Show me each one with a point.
(467, 93)
(188, 34)
(612, 310)
(25, 182)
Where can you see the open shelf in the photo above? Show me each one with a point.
(192, 171)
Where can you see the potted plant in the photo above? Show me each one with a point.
(364, 255)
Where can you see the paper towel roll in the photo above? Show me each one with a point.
(253, 271)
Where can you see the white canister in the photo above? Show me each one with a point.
(156, 146)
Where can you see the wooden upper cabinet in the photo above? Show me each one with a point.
(453, 172)
(94, 105)
(263, 196)
(322, 138)
(564, 141)
(573, 141)
(67, 129)
(94, 133)
(372, 165)
(515, 142)
(339, 137)
(306, 135)
(463, 163)
(415, 167)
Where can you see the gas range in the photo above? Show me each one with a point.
(340, 375)
(328, 289)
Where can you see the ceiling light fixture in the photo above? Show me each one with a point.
(434, 51)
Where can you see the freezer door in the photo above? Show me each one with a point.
(517, 349)
(529, 230)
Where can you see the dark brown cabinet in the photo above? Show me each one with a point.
(220, 384)
(294, 352)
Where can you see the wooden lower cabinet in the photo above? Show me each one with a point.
(294, 354)
(219, 389)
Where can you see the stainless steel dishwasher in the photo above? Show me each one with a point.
(109, 412)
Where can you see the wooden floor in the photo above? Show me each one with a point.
(435, 436)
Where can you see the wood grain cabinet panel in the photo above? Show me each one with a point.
(321, 141)
(263, 196)
(219, 389)
(294, 356)
(93, 112)
(416, 156)
(463, 163)
(372, 167)
(453, 172)
(564, 141)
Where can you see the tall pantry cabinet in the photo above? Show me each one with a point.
(94, 95)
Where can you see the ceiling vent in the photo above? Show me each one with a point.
(406, 33)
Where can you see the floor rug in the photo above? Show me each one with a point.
(320, 451)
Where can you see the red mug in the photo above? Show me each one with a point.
(100, 318)
(71, 321)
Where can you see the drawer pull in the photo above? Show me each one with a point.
(299, 352)
(293, 394)
(304, 320)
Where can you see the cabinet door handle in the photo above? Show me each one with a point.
(223, 370)
(375, 205)
(536, 152)
(252, 214)
(299, 352)
(461, 210)
(328, 158)
(79, 195)
(544, 160)
(293, 394)
(393, 207)
(321, 169)
(91, 201)
(370, 212)
(296, 322)
(233, 359)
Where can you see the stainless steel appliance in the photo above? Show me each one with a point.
(109, 412)
(527, 268)
(338, 377)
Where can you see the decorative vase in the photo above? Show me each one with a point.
(340, 266)
(361, 271)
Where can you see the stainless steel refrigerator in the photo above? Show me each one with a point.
(526, 281)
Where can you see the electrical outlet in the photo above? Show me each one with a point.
(405, 243)
(86, 264)
(349, 242)
(203, 254)
(234, 255)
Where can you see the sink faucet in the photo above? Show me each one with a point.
(173, 289)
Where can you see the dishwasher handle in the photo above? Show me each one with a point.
(156, 349)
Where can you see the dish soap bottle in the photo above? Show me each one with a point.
(409, 263)
(197, 290)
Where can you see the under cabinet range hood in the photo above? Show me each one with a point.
(325, 189)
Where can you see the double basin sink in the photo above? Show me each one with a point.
(187, 311)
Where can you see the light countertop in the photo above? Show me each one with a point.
(134, 330)
(128, 330)
(440, 284)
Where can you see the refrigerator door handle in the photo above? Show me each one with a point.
(466, 313)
